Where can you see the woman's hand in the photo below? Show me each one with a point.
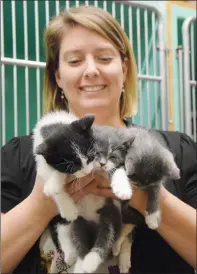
(96, 183)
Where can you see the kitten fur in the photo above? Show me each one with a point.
(63, 144)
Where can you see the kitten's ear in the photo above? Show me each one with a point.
(41, 149)
(127, 144)
(84, 123)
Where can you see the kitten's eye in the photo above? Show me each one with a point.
(61, 162)
(90, 159)
(112, 157)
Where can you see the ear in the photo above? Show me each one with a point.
(41, 149)
(127, 144)
(84, 123)
(58, 79)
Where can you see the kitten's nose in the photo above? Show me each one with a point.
(102, 164)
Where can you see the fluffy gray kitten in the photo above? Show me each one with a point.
(137, 156)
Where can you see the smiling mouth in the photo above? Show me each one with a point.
(93, 88)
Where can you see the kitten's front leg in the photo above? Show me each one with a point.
(152, 216)
(120, 184)
(54, 187)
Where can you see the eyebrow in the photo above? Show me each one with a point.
(77, 51)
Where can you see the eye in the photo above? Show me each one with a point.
(112, 157)
(90, 159)
(106, 59)
(63, 161)
(74, 62)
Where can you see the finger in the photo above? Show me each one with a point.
(80, 193)
(79, 183)
(104, 192)
(102, 180)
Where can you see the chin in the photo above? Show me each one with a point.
(91, 104)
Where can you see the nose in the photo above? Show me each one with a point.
(91, 69)
(102, 164)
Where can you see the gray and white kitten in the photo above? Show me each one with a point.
(138, 156)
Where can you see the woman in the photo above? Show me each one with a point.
(90, 68)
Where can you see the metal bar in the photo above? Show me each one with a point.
(122, 15)
(193, 83)
(37, 59)
(105, 5)
(180, 56)
(3, 79)
(154, 68)
(21, 62)
(47, 11)
(14, 69)
(139, 62)
(192, 50)
(113, 9)
(57, 7)
(26, 68)
(68, 4)
(130, 26)
(162, 62)
(185, 33)
(194, 111)
(149, 77)
(96, 3)
(147, 64)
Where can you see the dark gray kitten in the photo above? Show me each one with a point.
(137, 156)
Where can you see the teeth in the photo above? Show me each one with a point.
(95, 88)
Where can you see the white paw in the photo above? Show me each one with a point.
(69, 214)
(124, 262)
(51, 190)
(120, 185)
(91, 262)
(153, 220)
(123, 193)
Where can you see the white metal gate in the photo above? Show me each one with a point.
(188, 78)
(22, 78)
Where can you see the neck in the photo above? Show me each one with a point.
(103, 118)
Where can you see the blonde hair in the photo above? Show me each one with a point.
(102, 22)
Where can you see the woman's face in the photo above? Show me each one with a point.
(91, 72)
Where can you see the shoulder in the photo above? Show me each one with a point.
(17, 170)
(180, 143)
(184, 149)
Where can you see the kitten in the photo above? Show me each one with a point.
(62, 145)
(147, 163)
(139, 157)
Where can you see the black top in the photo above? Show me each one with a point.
(150, 252)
